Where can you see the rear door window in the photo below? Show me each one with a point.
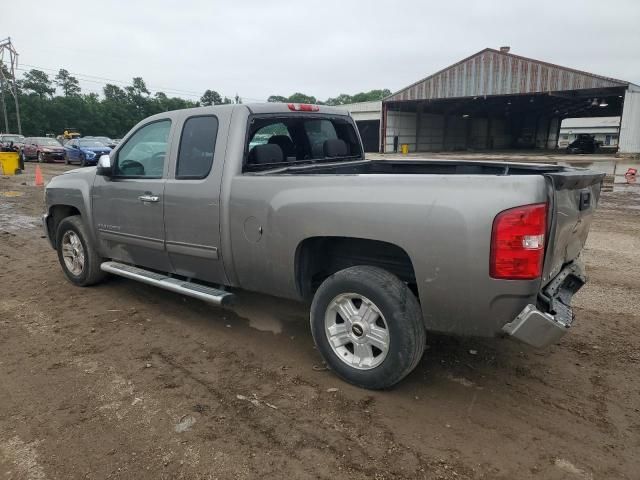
(197, 146)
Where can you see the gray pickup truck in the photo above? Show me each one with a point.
(280, 199)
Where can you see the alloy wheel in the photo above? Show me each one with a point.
(357, 331)
(73, 252)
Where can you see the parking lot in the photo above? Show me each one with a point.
(126, 381)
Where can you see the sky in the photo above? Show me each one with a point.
(276, 47)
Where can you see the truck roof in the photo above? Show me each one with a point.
(254, 108)
(269, 107)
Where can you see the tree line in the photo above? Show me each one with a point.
(50, 105)
(342, 99)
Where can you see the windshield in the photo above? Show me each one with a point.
(90, 143)
(49, 142)
(11, 138)
(276, 141)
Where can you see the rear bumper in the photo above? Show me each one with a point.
(545, 324)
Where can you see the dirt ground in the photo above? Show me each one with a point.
(124, 381)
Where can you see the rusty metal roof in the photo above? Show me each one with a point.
(491, 72)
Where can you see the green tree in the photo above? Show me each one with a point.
(277, 99)
(114, 93)
(210, 97)
(302, 98)
(138, 88)
(372, 95)
(38, 82)
(138, 99)
(341, 99)
(68, 83)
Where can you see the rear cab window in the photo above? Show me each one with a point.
(276, 141)
(197, 147)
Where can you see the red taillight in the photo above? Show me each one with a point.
(517, 242)
(303, 107)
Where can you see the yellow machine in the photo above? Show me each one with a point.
(70, 134)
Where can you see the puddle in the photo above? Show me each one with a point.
(259, 318)
(268, 314)
(12, 222)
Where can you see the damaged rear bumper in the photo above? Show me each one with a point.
(546, 323)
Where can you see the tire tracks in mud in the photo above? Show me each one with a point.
(352, 445)
(302, 433)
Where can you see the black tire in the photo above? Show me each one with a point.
(402, 315)
(91, 273)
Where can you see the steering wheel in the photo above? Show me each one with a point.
(129, 167)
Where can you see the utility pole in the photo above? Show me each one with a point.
(4, 105)
(8, 66)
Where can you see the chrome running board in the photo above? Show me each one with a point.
(191, 289)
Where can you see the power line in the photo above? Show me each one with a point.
(104, 80)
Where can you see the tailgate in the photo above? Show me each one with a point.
(574, 195)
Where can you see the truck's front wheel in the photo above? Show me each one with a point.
(367, 324)
(76, 253)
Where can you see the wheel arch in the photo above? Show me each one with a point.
(57, 213)
(317, 258)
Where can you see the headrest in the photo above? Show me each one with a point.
(285, 143)
(335, 147)
(267, 153)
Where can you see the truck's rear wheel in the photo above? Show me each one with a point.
(368, 326)
(76, 253)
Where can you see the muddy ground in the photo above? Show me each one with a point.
(124, 381)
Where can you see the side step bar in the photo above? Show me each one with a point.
(195, 290)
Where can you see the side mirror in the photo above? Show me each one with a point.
(104, 167)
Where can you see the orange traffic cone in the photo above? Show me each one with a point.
(39, 179)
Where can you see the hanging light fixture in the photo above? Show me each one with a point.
(603, 103)
(594, 103)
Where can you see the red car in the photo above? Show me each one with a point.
(44, 149)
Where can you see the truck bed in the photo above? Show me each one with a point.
(435, 167)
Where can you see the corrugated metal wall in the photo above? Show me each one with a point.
(428, 132)
(630, 123)
(402, 125)
(490, 72)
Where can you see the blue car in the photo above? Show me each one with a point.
(84, 151)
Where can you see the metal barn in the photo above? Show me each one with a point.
(496, 100)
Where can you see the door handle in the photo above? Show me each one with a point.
(147, 197)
